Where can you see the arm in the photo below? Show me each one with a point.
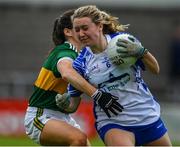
(151, 63)
(69, 74)
(132, 47)
(69, 105)
(105, 100)
(74, 103)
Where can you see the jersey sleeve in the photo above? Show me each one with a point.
(66, 50)
(79, 66)
(73, 91)
(67, 53)
(140, 64)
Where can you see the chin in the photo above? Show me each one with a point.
(86, 43)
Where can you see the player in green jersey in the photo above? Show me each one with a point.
(45, 122)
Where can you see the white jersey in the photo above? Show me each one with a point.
(140, 107)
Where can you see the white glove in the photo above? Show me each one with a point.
(62, 101)
(130, 47)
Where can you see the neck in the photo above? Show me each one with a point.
(75, 43)
(101, 46)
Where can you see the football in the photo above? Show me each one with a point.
(115, 57)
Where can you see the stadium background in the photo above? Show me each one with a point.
(25, 39)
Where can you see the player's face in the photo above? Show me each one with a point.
(87, 31)
(77, 41)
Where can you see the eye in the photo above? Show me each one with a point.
(85, 28)
(77, 29)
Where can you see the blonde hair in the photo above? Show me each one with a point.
(110, 23)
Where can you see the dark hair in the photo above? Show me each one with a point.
(64, 21)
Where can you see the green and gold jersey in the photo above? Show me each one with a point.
(49, 81)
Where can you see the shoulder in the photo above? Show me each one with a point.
(118, 33)
(85, 52)
(66, 46)
(84, 56)
(123, 35)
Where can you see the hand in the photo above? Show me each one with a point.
(131, 47)
(107, 102)
(62, 101)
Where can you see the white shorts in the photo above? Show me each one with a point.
(36, 118)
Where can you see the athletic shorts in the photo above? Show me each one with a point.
(36, 118)
(143, 134)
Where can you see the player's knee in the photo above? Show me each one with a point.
(79, 140)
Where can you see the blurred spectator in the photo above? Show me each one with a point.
(175, 53)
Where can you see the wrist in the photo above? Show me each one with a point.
(95, 93)
(142, 52)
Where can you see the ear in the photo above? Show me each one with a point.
(67, 32)
(101, 26)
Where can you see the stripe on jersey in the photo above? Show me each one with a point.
(47, 81)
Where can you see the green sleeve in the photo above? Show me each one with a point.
(67, 53)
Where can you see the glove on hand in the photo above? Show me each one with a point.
(107, 102)
(62, 101)
(130, 47)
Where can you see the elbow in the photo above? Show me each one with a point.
(156, 71)
(66, 76)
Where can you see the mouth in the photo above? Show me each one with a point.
(84, 40)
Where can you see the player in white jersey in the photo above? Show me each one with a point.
(47, 121)
(139, 123)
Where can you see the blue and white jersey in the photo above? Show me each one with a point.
(140, 108)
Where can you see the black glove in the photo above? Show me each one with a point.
(107, 102)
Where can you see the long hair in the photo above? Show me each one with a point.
(110, 23)
(60, 23)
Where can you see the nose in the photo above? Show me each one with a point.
(81, 33)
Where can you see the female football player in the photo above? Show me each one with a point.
(46, 121)
(139, 123)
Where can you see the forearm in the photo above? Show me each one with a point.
(151, 63)
(69, 74)
(80, 83)
(74, 103)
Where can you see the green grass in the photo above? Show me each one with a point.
(96, 142)
(25, 141)
(16, 141)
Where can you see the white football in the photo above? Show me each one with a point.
(114, 56)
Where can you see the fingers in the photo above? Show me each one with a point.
(115, 97)
(131, 38)
(62, 101)
(121, 44)
(107, 113)
(122, 40)
(118, 106)
(58, 98)
(115, 108)
(113, 111)
(121, 50)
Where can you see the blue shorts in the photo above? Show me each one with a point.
(143, 134)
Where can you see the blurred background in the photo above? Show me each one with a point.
(25, 39)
